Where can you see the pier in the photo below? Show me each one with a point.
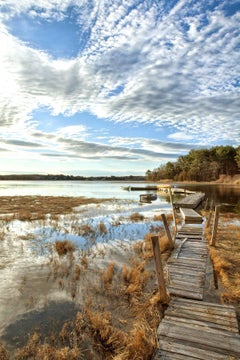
(193, 328)
(191, 201)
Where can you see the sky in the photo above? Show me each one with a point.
(116, 87)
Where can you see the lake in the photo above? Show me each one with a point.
(220, 194)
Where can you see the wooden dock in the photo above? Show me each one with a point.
(186, 267)
(198, 330)
(191, 201)
(191, 328)
(191, 216)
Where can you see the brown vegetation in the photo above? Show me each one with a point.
(225, 255)
(28, 208)
(122, 309)
(118, 321)
(64, 247)
(135, 217)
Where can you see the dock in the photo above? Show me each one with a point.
(191, 216)
(191, 201)
(192, 328)
(198, 330)
(186, 267)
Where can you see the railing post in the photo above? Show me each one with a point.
(159, 270)
(173, 211)
(164, 220)
(215, 225)
(210, 214)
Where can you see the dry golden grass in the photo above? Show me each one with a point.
(37, 350)
(144, 248)
(225, 256)
(3, 353)
(122, 320)
(106, 327)
(102, 228)
(64, 247)
(28, 208)
(135, 217)
(108, 275)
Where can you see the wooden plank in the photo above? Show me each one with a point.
(230, 343)
(179, 276)
(212, 321)
(185, 294)
(205, 305)
(190, 215)
(191, 228)
(186, 263)
(189, 236)
(187, 351)
(205, 320)
(186, 286)
(190, 201)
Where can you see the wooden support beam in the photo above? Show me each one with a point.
(159, 269)
(173, 211)
(169, 236)
(215, 225)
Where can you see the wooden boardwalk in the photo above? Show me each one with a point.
(190, 201)
(198, 330)
(191, 328)
(190, 216)
(186, 267)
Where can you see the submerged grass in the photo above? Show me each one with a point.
(119, 307)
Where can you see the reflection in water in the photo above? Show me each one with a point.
(227, 195)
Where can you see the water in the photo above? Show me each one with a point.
(220, 194)
(227, 195)
(96, 189)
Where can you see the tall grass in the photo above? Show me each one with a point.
(64, 247)
(225, 256)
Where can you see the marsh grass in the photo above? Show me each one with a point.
(119, 319)
(119, 308)
(135, 217)
(28, 208)
(4, 355)
(225, 256)
(64, 247)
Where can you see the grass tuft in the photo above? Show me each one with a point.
(64, 247)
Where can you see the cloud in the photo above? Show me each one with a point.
(147, 63)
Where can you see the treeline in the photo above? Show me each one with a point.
(200, 165)
(63, 177)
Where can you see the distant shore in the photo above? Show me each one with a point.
(223, 179)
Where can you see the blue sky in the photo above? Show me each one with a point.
(116, 87)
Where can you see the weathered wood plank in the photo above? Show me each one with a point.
(165, 355)
(205, 305)
(190, 215)
(227, 342)
(205, 320)
(185, 294)
(190, 201)
(187, 351)
(191, 229)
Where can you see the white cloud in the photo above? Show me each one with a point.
(169, 74)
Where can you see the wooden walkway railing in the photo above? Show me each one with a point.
(191, 328)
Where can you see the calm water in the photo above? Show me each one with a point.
(106, 189)
(96, 189)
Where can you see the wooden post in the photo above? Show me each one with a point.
(215, 225)
(173, 211)
(210, 214)
(164, 220)
(215, 278)
(159, 269)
